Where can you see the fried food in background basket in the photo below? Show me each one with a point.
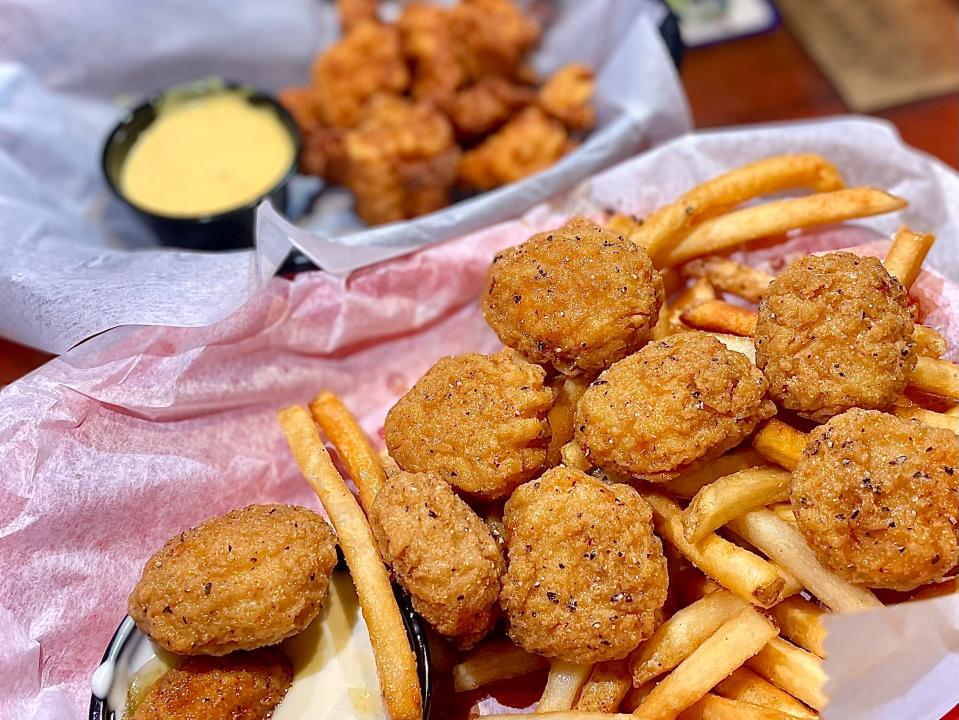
(477, 116)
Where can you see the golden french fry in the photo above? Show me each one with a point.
(722, 233)
(784, 511)
(746, 686)
(929, 342)
(731, 496)
(780, 443)
(562, 686)
(352, 445)
(801, 622)
(716, 707)
(680, 635)
(721, 317)
(607, 686)
(560, 418)
(939, 420)
(663, 326)
(626, 225)
(493, 661)
(395, 662)
(731, 277)
(785, 545)
(687, 484)
(792, 669)
(936, 377)
(659, 230)
(574, 457)
(906, 255)
(733, 643)
(737, 569)
(389, 464)
(561, 715)
(954, 411)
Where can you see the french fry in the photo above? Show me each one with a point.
(929, 342)
(725, 232)
(784, 545)
(784, 511)
(737, 343)
(659, 230)
(792, 669)
(731, 277)
(733, 643)
(493, 661)
(560, 418)
(801, 622)
(729, 497)
(690, 482)
(574, 457)
(680, 635)
(737, 569)
(700, 291)
(780, 443)
(939, 420)
(721, 317)
(562, 686)
(607, 686)
(561, 715)
(746, 686)
(634, 698)
(352, 445)
(906, 255)
(716, 707)
(663, 326)
(395, 662)
(389, 464)
(936, 377)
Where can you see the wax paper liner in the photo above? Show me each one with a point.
(143, 431)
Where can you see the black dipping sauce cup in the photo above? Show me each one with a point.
(227, 230)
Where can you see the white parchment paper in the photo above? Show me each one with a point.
(77, 262)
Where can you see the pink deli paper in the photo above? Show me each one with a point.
(144, 431)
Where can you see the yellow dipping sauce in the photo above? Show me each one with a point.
(205, 155)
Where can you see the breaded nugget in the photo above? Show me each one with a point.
(835, 332)
(485, 106)
(530, 142)
(477, 421)
(304, 105)
(250, 578)
(493, 36)
(877, 498)
(586, 574)
(241, 686)
(401, 161)
(353, 12)
(676, 402)
(578, 298)
(427, 41)
(324, 154)
(441, 553)
(366, 61)
(567, 96)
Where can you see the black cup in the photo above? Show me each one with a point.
(227, 230)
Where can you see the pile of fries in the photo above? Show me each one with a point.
(743, 635)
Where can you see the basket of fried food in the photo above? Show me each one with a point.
(442, 101)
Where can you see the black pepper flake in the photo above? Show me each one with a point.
(855, 514)
(207, 587)
(517, 299)
(948, 470)
(168, 610)
(571, 605)
(552, 597)
(936, 559)
(431, 513)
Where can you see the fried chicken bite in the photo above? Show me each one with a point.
(493, 36)
(304, 105)
(485, 106)
(401, 161)
(877, 498)
(677, 402)
(567, 96)
(578, 298)
(441, 553)
(477, 421)
(366, 61)
(835, 332)
(250, 578)
(427, 41)
(354, 12)
(530, 142)
(240, 686)
(324, 154)
(586, 575)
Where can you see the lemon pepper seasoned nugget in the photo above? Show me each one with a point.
(877, 498)
(241, 686)
(477, 421)
(441, 553)
(492, 36)
(567, 95)
(250, 578)
(835, 332)
(578, 298)
(674, 403)
(586, 575)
